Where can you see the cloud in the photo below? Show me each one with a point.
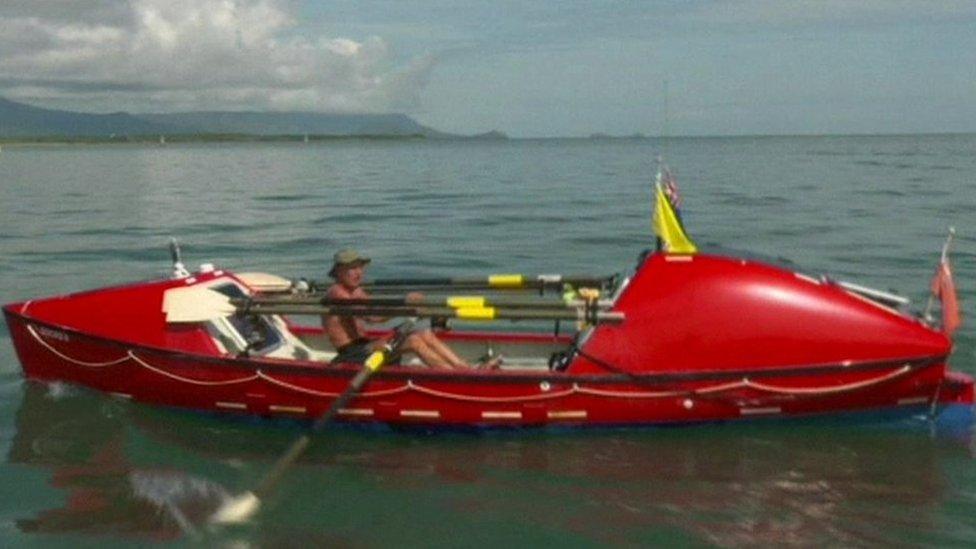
(158, 55)
(806, 12)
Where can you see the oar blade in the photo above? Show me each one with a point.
(193, 304)
(237, 510)
(265, 282)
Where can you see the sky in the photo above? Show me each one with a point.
(527, 68)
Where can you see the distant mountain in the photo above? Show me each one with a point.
(18, 120)
(294, 123)
(492, 135)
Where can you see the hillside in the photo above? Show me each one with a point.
(18, 120)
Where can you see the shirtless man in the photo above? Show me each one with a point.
(348, 334)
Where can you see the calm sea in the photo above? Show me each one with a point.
(82, 469)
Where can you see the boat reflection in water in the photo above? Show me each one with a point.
(83, 440)
(801, 484)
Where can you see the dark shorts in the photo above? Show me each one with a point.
(355, 352)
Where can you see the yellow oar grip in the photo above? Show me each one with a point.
(465, 301)
(375, 361)
(506, 281)
(476, 313)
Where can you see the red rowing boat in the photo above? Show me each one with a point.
(698, 338)
(686, 338)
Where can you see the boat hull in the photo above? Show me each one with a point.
(405, 396)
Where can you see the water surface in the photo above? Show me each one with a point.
(80, 468)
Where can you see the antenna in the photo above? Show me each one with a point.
(179, 270)
(665, 119)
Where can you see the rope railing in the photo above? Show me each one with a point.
(575, 389)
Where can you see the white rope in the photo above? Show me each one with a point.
(161, 372)
(75, 361)
(828, 390)
(410, 386)
(300, 389)
(471, 398)
(630, 394)
(722, 388)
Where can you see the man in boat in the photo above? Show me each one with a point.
(348, 333)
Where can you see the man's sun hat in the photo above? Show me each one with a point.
(346, 257)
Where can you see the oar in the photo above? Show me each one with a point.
(454, 302)
(592, 315)
(243, 507)
(493, 282)
(193, 304)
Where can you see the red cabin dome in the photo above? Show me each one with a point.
(708, 313)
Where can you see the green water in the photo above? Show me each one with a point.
(81, 469)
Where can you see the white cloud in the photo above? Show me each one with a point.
(199, 54)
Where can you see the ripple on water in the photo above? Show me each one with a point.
(286, 198)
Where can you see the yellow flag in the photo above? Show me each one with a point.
(668, 227)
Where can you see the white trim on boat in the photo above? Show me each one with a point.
(231, 405)
(355, 411)
(420, 413)
(913, 400)
(287, 409)
(501, 415)
(874, 293)
(807, 278)
(870, 301)
(126, 396)
(567, 414)
(760, 411)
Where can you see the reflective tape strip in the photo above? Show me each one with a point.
(679, 258)
(759, 411)
(460, 301)
(501, 415)
(420, 413)
(913, 400)
(355, 411)
(121, 395)
(231, 405)
(506, 281)
(568, 414)
(476, 313)
(287, 409)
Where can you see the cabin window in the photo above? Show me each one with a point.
(253, 332)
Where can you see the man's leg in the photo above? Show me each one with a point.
(417, 343)
(442, 349)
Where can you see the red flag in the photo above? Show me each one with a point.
(944, 288)
(671, 188)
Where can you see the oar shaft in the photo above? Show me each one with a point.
(299, 446)
(454, 302)
(468, 313)
(495, 282)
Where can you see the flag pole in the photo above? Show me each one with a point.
(942, 259)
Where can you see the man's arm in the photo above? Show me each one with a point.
(360, 293)
(333, 325)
